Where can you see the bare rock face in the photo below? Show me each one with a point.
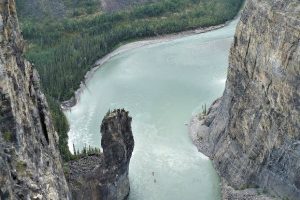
(105, 176)
(253, 133)
(117, 139)
(30, 165)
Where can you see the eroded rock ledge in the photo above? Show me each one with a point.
(105, 176)
(252, 133)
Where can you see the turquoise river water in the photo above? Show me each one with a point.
(162, 85)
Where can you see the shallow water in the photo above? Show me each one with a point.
(162, 86)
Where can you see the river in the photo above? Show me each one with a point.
(162, 85)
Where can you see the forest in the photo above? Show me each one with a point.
(64, 49)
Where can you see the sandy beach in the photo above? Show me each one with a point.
(66, 105)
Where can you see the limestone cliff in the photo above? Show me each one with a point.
(105, 176)
(252, 133)
(30, 166)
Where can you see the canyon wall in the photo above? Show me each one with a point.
(30, 164)
(252, 133)
(105, 176)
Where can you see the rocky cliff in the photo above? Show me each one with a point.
(105, 176)
(252, 133)
(30, 166)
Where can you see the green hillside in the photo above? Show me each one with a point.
(64, 49)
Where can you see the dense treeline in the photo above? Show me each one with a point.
(62, 127)
(63, 51)
(41, 9)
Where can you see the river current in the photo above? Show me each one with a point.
(161, 85)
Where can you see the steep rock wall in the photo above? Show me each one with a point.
(30, 166)
(252, 133)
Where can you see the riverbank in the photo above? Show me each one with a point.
(161, 85)
(67, 105)
(198, 131)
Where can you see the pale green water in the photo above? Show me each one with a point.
(162, 86)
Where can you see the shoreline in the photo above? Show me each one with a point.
(67, 105)
(198, 132)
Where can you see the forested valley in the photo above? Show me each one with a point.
(64, 48)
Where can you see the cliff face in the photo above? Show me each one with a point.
(30, 166)
(252, 133)
(105, 176)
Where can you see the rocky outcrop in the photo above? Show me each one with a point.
(105, 176)
(30, 165)
(252, 133)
